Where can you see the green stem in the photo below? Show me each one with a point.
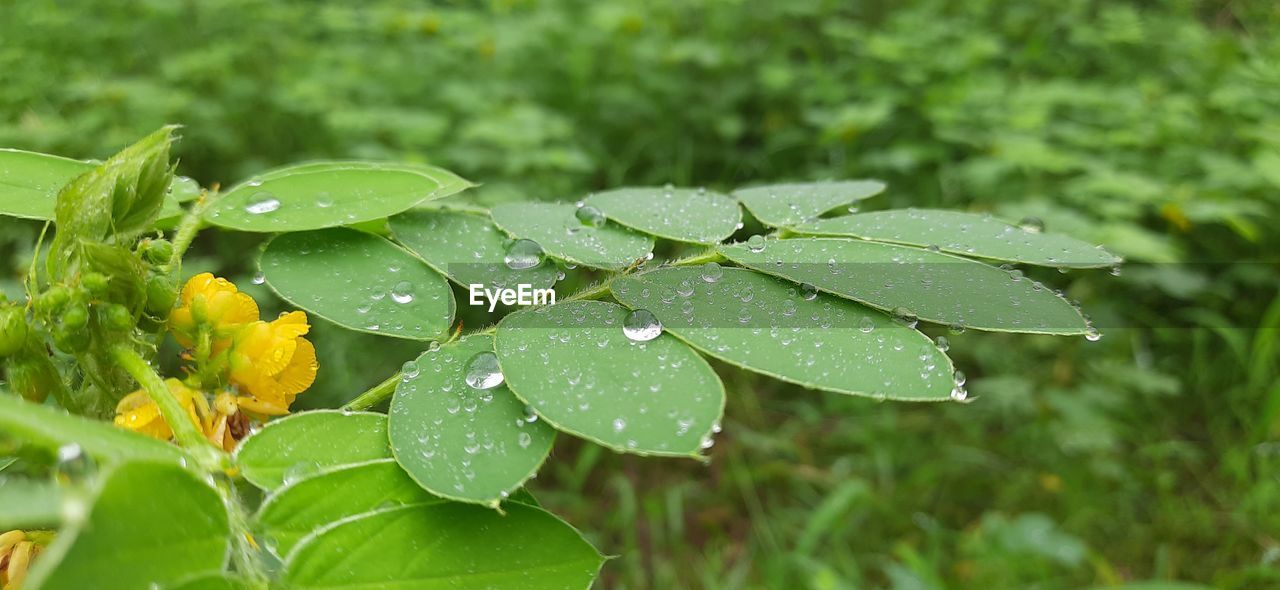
(374, 395)
(184, 431)
(187, 230)
(244, 552)
(710, 255)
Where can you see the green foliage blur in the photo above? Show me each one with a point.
(1150, 127)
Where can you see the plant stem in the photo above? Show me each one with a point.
(244, 549)
(710, 255)
(174, 415)
(188, 229)
(374, 395)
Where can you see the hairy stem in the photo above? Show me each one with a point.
(374, 395)
(188, 228)
(174, 415)
(245, 554)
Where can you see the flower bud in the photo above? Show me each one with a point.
(157, 251)
(51, 302)
(13, 329)
(162, 294)
(115, 317)
(95, 283)
(34, 377)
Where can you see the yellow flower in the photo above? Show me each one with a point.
(137, 412)
(221, 423)
(273, 363)
(213, 302)
(16, 552)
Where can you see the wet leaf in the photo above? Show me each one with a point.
(467, 248)
(29, 182)
(911, 282)
(301, 445)
(29, 503)
(49, 428)
(966, 234)
(785, 205)
(305, 505)
(321, 195)
(556, 228)
(683, 214)
(163, 537)
(460, 442)
(359, 281)
(445, 546)
(572, 363)
(768, 326)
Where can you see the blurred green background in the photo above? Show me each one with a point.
(1152, 127)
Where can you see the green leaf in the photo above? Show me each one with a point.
(932, 286)
(29, 182)
(29, 504)
(472, 445)
(161, 520)
(786, 205)
(304, 444)
(556, 228)
(683, 214)
(50, 428)
(445, 546)
(572, 363)
(328, 194)
(359, 281)
(303, 506)
(966, 234)
(450, 183)
(467, 248)
(766, 325)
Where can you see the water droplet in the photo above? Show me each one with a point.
(1031, 225)
(619, 424)
(589, 216)
(483, 371)
(905, 317)
(523, 254)
(259, 278)
(943, 344)
(409, 370)
(402, 292)
(808, 292)
(711, 272)
(866, 325)
(260, 203)
(1092, 334)
(524, 439)
(641, 326)
(74, 466)
(959, 378)
(755, 243)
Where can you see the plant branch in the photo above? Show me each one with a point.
(189, 227)
(374, 395)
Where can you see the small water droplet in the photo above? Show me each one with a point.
(808, 292)
(641, 326)
(755, 243)
(402, 293)
(262, 202)
(943, 344)
(866, 325)
(589, 216)
(259, 278)
(1092, 334)
(483, 371)
(522, 254)
(409, 370)
(711, 272)
(1031, 225)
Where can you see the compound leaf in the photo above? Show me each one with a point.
(305, 444)
(574, 366)
(460, 442)
(911, 282)
(445, 546)
(300, 507)
(768, 326)
(785, 205)
(467, 248)
(966, 234)
(321, 195)
(359, 281)
(161, 520)
(682, 214)
(557, 229)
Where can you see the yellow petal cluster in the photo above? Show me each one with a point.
(17, 550)
(250, 367)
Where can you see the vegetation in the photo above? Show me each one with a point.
(1147, 455)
